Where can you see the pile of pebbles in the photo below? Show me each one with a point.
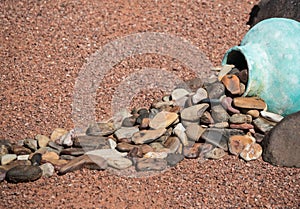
(208, 122)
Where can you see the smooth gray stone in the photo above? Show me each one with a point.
(95, 142)
(119, 163)
(151, 164)
(126, 132)
(23, 173)
(263, 125)
(215, 90)
(193, 113)
(219, 114)
(173, 159)
(48, 169)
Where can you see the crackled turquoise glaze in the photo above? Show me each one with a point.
(271, 52)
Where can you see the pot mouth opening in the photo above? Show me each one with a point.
(237, 59)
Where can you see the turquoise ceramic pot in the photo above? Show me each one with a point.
(271, 52)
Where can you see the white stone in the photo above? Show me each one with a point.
(179, 93)
(271, 116)
(23, 157)
(161, 155)
(112, 143)
(119, 163)
(106, 153)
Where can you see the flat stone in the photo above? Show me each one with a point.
(20, 150)
(249, 103)
(3, 150)
(232, 84)
(271, 116)
(119, 163)
(205, 148)
(125, 147)
(179, 131)
(151, 164)
(281, 146)
(216, 137)
(31, 144)
(219, 114)
(215, 90)
(216, 153)
(67, 157)
(42, 140)
(56, 146)
(263, 125)
(106, 153)
(74, 151)
(194, 132)
(161, 155)
(240, 118)
(23, 173)
(219, 125)
(93, 162)
(48, 156)
(179, 93)
(193, 113)
(147, 136)
(251, 152)
(200, 94)
(145, 148)
(238, 143)
(57, 133)
(95, 142)
(243, 126)
(48, 170)
(173, 159)
(163, 119)
(126, 132)
(172, 143)
(8, 158)
(101, 129)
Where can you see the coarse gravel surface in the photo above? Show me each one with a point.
(44, 45)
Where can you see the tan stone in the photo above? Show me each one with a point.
(253, 113)
(237, 143)
(163, 119)
(232, 83)
(249, 103)
(50, 156)
(57, 133)
(251, 152)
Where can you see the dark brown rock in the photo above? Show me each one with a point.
(23, 173)
(281, 146)
(20, 150)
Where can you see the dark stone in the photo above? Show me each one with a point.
(23, 173)
(172, 159)
(6, 143)
(36, 159)
(2, 174)
(75, 151)
(281, 146)
(274, 8)
(95, 142)
(20, 150)
(129, 121)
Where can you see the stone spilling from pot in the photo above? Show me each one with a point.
(210, 122)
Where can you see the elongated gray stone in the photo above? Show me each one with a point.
(193, 113)
(126, 132)
(151, 164)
